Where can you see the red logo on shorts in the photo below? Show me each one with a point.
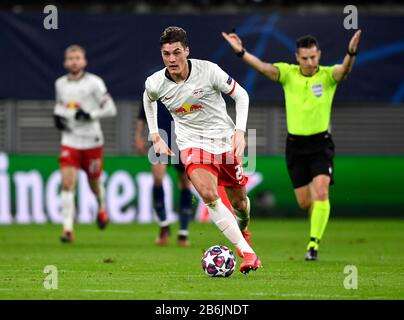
(65, 154)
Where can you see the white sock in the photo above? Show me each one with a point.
(100, 196)
(243, 217)
(227, 224)
(183, 233)
(67, 204)
(164, 223)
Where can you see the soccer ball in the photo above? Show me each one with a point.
(218, 261)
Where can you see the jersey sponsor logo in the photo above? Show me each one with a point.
(317, 90)
(72, 105)
(229, 80)
(188, 108)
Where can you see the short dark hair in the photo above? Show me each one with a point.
(174, 34)
(307, 41)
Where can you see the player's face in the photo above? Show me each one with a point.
(175, 58)
(75, 61)
(308, 59)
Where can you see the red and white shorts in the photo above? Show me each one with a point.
(90, 160)
(226, 166)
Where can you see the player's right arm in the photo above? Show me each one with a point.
(267, 69)
(61, 115)
(150, 109)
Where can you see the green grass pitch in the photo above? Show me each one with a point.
(122, 262)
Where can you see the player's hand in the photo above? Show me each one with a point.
(159, 145)
(353, 44)
(234, 41)
(60, 123)
(140, 145)
(238, 143)
(81, 115)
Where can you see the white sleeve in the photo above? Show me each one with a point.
(240, 97)
(220, 80)
(60, 109)
(226, 84)
(104, 100)
(150, 109)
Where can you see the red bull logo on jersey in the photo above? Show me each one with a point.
(188, 108)
(72, 105)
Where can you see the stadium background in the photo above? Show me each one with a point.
(121, 38)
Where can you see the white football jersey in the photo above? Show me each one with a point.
(197, 106)
(89, 94)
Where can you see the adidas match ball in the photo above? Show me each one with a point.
(218, 261)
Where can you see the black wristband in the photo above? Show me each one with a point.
(351, 54)
(241, 53)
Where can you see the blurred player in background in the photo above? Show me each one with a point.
(81, 100)
(309, 90)
(211, 145)
(159, 171)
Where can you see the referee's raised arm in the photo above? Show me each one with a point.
(342, 70)
(267, 69)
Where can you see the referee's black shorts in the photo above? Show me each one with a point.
(308, 157)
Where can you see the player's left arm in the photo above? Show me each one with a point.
(106, 104)
(341, 71)
(226, 84)
(241, 99)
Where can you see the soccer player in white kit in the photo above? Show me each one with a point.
(211, 145)
(81, 100)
